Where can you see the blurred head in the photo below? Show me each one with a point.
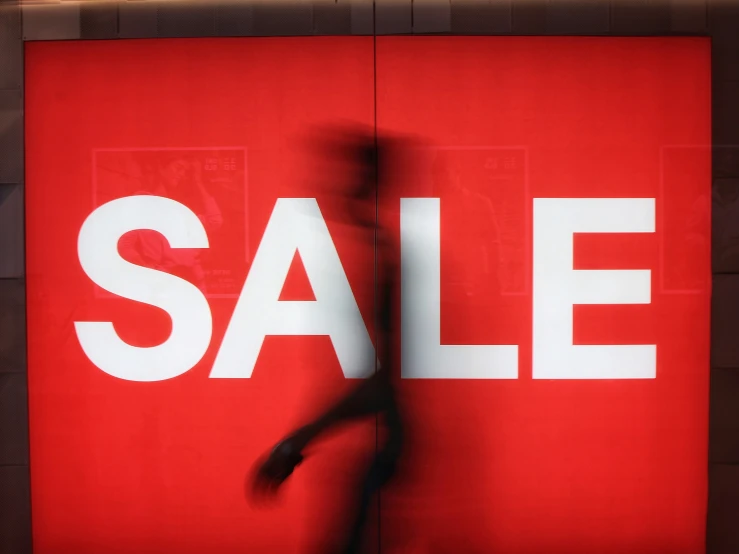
(345, 156)
(362, 153)
(355, 165)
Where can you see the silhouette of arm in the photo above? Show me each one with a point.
(371, 396)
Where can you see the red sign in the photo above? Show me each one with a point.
(193, 292)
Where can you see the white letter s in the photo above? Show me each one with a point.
(192, 325)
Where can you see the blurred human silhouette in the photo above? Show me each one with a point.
(364, 157)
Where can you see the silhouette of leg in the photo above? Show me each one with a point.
(380, 472)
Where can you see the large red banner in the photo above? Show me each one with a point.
(193, 292)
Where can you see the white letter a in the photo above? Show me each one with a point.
(295, 224)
